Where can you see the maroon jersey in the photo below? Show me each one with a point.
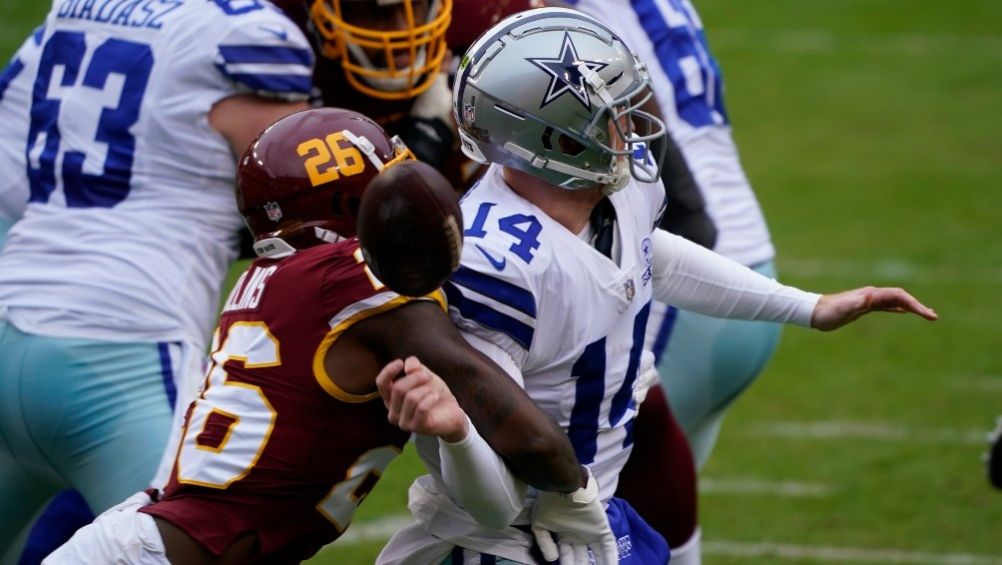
(272, 445)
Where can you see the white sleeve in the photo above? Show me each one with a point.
(478, 480)
(691, 277)
(475, 476)
(495, 353)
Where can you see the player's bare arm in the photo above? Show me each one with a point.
(535, 448)
(240, 118)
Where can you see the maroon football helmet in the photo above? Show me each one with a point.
(302, 179)
(477, 16)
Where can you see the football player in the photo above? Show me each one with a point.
(705, 362)
(290, 432)
(122, 124)
(561, 261)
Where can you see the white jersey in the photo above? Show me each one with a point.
(571, 318)
(668, 36)
(15, 98)
(131, 221)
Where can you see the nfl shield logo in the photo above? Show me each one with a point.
(273, 210)
(631, 290)
(470, 111)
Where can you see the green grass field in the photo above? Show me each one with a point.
(872, 132)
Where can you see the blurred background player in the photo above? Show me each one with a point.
(290, 432)
(561, 260)
(993, 455)
(125, 125)
(388, 59)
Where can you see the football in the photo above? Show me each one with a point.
(410, 228)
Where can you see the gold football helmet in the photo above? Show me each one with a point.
(389, 49)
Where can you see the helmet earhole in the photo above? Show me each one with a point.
(569, 146)
(547, 143)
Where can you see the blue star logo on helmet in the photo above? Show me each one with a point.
(565, 74)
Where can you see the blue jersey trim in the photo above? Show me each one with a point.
(664, 334)
(167, 372)
(266, 54)
(488, 317)
(273, 83)
(502, 291)
(628, 440)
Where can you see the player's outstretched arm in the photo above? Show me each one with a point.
(535, 448)
(836, 310)
(694, 278)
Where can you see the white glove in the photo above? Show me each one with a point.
(647, 376)
(436, 102)
(579, 520)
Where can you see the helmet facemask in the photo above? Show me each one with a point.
(373, 57)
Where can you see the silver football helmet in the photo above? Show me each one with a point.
(554, 93)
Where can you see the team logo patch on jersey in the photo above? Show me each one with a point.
(565, 73)
(273, 210)
(630, 289)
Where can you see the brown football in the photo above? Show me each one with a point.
(410, 228)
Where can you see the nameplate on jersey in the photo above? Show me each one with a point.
(247, 292)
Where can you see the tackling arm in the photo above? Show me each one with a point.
(417, 400)
(533, 446)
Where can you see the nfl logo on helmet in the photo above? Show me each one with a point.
(273, 210)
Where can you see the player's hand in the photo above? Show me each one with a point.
(418, 401)
(579, 520)
(647, 376)
(836, 310)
